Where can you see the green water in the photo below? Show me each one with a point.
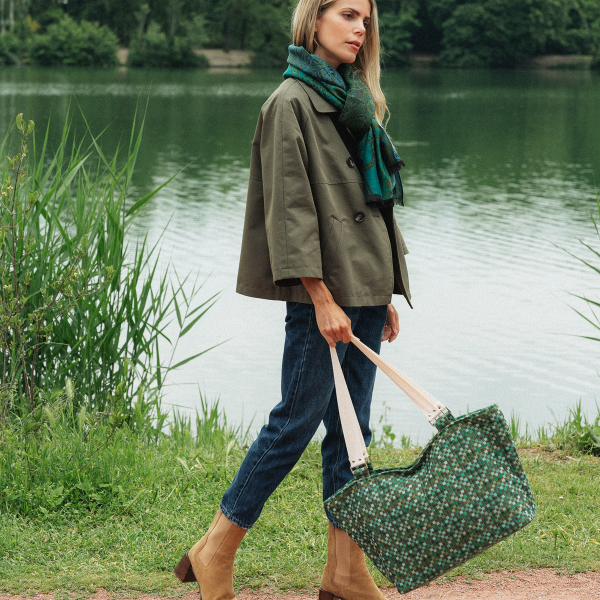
(501, 169)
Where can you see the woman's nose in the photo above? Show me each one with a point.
(360, 29)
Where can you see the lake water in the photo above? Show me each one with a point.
(500, 180)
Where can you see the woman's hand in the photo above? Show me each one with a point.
(333, 323)
(392, 325)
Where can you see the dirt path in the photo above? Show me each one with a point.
(530, 585)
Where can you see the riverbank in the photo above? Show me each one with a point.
(217, 58)
(234, 59)
(553, 61)
(133, 549)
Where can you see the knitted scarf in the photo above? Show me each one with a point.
(343, 88)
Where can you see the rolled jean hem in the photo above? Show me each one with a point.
(239, 523)
(233, 519)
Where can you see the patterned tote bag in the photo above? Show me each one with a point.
(465, 492)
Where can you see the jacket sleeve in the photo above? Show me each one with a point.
(290, 214)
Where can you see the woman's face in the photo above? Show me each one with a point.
(340, 31)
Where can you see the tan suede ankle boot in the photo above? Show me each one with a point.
(346, 575)
(210, 560)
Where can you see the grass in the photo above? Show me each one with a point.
(127, 536)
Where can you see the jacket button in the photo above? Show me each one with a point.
(350, 162)
(359, 217)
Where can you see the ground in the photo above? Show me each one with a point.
(519, 585)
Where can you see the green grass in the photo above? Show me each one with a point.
(133, 546)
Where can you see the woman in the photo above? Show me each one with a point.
(320, 234)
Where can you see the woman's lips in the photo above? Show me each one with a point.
(354, 45)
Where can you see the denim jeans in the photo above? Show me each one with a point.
(308, 397)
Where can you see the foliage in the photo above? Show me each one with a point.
(467, 32)
(494, 33)
(69, 43)
(78, 302)
(384, 437)
(155, 49)
(575, 434)
(596, 60)
(24, 328)
(10, 49)
(267, 37)
(508, 32)
(398, 24)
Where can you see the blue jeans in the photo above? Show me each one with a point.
(308, 397)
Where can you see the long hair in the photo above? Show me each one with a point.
(367, 62)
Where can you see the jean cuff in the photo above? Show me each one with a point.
(233, 519)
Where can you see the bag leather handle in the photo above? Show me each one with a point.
(424, 400)
(355, 442)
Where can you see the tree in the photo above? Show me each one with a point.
(397, 24)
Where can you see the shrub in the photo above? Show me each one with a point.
(10, 49)
(156, 49)
(69, 43)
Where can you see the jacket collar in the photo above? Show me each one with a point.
(319, 103)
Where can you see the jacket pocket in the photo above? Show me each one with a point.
(332, 243)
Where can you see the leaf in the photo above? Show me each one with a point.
(70, 175)
(134, 499)
(177, 312)
(57, 491)
(187, 360)
(188, 327)
(137, 205)
(183, 462)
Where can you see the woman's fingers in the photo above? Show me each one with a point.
(334, 324)
(332, 321)
(392, 325)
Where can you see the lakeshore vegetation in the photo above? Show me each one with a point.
(462, 33)
(99, 485)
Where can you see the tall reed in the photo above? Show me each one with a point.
(100, 303)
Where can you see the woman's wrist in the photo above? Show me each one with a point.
(317, 290)
(333, 323)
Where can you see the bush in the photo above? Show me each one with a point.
(157, 50)
(10, 50)
(69, 43)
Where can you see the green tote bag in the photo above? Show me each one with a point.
(465, 492)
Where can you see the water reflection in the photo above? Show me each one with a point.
(500, 175)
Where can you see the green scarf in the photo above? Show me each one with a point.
(343, 88)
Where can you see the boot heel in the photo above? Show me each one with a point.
(323, 595)
(183, 571)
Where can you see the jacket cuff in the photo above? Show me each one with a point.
(291, 276)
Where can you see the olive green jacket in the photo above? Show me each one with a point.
(306, 214)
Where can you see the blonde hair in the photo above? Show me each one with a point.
(367, 62)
